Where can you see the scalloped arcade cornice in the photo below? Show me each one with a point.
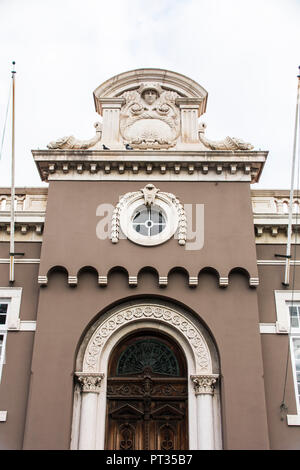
(143, 165)
(184, 86)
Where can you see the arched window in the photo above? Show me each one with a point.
(150, 353)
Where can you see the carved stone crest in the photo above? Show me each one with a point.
(150, 117)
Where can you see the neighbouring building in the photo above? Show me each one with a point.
(148, 309)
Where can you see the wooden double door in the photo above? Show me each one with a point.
(147, 402)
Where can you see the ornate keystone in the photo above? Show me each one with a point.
(89, 382)
(204, 384)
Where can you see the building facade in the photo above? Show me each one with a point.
(148, 309)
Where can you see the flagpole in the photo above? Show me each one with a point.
(288, 247)
(12, 199)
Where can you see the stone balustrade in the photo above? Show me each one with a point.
(30, 208)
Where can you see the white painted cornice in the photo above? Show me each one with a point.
(141, 165)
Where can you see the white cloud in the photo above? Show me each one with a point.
(245, 53)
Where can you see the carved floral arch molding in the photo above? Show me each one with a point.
(159, 316)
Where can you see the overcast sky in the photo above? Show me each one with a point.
(245, 53)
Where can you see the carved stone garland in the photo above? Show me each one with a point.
(115, 222)
(147, 312)
(127, 198)
(182, 224)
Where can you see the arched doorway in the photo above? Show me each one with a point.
(147, 395)
(104, 358)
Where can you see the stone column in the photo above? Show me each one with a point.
(204, 391)
(189, 113)
(111, 119)
(90, 388)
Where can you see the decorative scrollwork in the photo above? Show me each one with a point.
(127, 433)
(167, 437)
(70, 142)
(166, 390)
(229, 143)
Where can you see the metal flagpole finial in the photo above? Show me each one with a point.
(13, 64)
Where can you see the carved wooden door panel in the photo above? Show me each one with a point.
(147, 397)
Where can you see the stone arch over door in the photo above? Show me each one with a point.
(90, 391)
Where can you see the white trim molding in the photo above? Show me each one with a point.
(267, 328)
(20, 261)
(13, 294)
(293, 420)
(276, 262)
(283, 318)
(3, 416)
(27, 325)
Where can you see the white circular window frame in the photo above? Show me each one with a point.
(170, 213)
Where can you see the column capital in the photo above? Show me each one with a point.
(204, 384)
(89, 382)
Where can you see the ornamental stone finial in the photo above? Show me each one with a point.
(89, 382)
(204, 384)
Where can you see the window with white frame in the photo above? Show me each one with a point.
(294, 311)
(288, 321)
(4, 313)
(295, 347)
(294, 318)
(10, 302)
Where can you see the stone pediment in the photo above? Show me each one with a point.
(167, 410)
(166, 79)
(127, 411)
(152, 105)
(150, 109)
